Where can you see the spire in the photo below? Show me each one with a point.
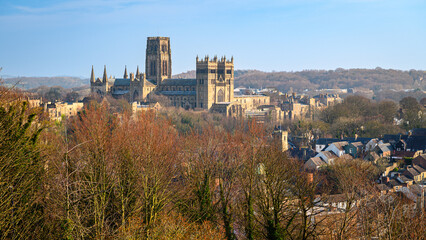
(137, 72)
(125, 73)
(92, 76)
(105, 77)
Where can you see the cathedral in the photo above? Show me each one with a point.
(212, 89)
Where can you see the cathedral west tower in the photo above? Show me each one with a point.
(158, 64)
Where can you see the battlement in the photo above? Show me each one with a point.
(158, 38)
(207, 59)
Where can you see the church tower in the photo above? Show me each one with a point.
(158, 63)
(215, 81)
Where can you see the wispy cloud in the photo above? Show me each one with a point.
(80, 5)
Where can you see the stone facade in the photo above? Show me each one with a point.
(214, 83)
(59, 109)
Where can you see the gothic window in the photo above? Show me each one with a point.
(152, 70)
(135, 95)
(229, 71)
(213, 71)
(220, 96)
(165, 68)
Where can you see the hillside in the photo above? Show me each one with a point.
(35, 82)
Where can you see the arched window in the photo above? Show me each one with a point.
(220, 96)
(135, 95)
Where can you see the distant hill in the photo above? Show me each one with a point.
(383, 81)
(374, 79)
(35, 82)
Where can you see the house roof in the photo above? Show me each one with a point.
(383, 187)
(404, 153)
(385, 147)
(179, 82)
(328, 155)
(317, 161)
(340, 145)
(413, 170)
(346, 156)
(357, 144)
(420, 160)
(416, 143)
(419, 132)
(325, 141)
(362, 140)
(393, 137)
(374, 155)
(405, 178)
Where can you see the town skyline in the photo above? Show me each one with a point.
(65, 38)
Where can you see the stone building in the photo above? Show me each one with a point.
(62, 109)
(213, 87)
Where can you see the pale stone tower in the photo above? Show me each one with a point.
(282, 138)
(215, 81)
(158, 65)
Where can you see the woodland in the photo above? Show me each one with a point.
(109, 175)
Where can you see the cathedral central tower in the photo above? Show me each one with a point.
(158, 65)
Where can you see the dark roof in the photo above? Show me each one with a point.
(179, 82)
(325, 141)
(416, 143)
(183, 93)
(120, 92)
(122, 82)
(419, 132)
(394, 138)
(362, 140)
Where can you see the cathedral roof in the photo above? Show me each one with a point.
(120, 92)
(122, 82)
(172, 93)
(179, 82)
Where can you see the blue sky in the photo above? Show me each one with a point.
(65, 38)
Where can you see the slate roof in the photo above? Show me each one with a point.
(393, 137)
(329, 155)
(120, 92)
(325, 141)
(419, 132)
(386, 147)
(179, 82)
(416, 143)
(122, 82)
(340, 145)
(357, 144)
(362, 140)
(317, 161)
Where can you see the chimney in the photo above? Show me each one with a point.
(310, 177)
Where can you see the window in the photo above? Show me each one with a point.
(229, 71)
(220, 96)
(152, 69)
(165, 70)
(212, 70)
